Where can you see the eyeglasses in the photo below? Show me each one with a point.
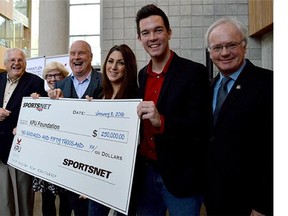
(219, 47)
(13, 60)
(56, 76)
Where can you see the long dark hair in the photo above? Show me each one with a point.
(129, 81)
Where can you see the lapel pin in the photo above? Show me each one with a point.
(238, 87)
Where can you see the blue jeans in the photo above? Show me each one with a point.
(97, 209)
(79, 206)
(154, 199)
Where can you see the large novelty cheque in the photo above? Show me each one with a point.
(88, 147)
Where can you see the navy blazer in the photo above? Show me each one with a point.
(68, 90)
(28, 84)
(184, 103)
(240, 156)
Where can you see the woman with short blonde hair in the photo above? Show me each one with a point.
(53, 72)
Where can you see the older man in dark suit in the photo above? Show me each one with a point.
(81, 83)
(240, 156)
(84, 79)
(16, 195)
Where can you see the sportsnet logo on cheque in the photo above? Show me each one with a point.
(37, 106)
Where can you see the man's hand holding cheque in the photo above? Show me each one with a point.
(95, 142)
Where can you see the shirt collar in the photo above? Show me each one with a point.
(149, 69)
(235, 75)
(12, 81)
(87, 78)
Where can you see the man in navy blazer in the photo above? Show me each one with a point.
(240, 154)
(16, 195)
(175, 122)
(83, 74)
(81, 83)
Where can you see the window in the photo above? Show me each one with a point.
(85, 25)
(12, 31)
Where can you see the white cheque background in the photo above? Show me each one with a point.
(102, 134)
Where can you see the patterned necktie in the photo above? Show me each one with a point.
(221, 95)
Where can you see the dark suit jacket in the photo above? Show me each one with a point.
(80, 206)
(28, 84)
(184, 103)
(67, 87)
(240, 159)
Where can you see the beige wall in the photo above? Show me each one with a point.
(6, 8)
(189, 21)
(53, 27)
(2, 51)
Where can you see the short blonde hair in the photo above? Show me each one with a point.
(54, 65)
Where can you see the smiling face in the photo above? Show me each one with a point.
(227, 60)
(115, 67)
(154, 37)
(15, 64)
(80, 59)
(53, 76)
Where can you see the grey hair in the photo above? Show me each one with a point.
(232, 20)
(8, 51)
